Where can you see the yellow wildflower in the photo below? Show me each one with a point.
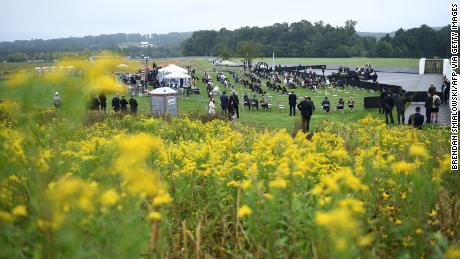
(162, 199)
(154, 216)
(5, 216)
(278, 183)
(109, 197)
(418, 151)
(244, 211)
(20, 210)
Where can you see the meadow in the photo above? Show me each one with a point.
(79, 184)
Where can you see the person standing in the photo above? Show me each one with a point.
(416, 119)
(224, 104)
(123, 105)
(435, 107)
(234, 103)
(326, 104)
(211, 107)
(116, 103)
(103, 101)
(429, 106)
(133, 105)
(57, 100)
(400, 103)
(388, 104)
(306, 108)
(292, 103)
(94, 104)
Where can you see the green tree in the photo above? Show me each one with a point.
(384, 49)
(249, 50)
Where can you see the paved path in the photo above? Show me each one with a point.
(443, 115)
(409, 82)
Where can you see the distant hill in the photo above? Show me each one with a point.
(38, 49)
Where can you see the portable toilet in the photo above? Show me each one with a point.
(163, 100)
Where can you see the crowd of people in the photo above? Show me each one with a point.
(389, 102)
(365, 72)
(278, 82)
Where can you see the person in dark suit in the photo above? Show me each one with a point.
(224, 103)
(400, 103)
(103, 101)
(116, 103)
(132, 105)
(388, 105)
(123, 105)
(416, 119)
(234, 102)
(326, 104)
(306, 108)
(292, 103)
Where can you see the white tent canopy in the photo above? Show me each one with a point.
(177, 75)
(173, 68)
(170, 69)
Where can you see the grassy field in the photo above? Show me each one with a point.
(9, 68)
(274, 118)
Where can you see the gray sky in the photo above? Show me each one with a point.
(27, 19)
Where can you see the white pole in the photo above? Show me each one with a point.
(273, 61)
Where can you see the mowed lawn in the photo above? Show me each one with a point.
(274, 118)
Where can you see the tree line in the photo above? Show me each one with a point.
(163, 45)
(304, 39)
(299, 39)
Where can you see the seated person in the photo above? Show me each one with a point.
(246, 102)
(254, 103)
(326, 104)
(340, 105)
(416, 119)
(264, 103)
(351, 104)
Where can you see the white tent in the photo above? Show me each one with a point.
(176, 79)
(173, 68)
(170, 69)
(178, 75)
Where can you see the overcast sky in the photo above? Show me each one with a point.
(45, 19)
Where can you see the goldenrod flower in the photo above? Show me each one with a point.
(154, 216)
(418, 151)
(20, 210)
(278, 183)
(109, 197)
(244, 211)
